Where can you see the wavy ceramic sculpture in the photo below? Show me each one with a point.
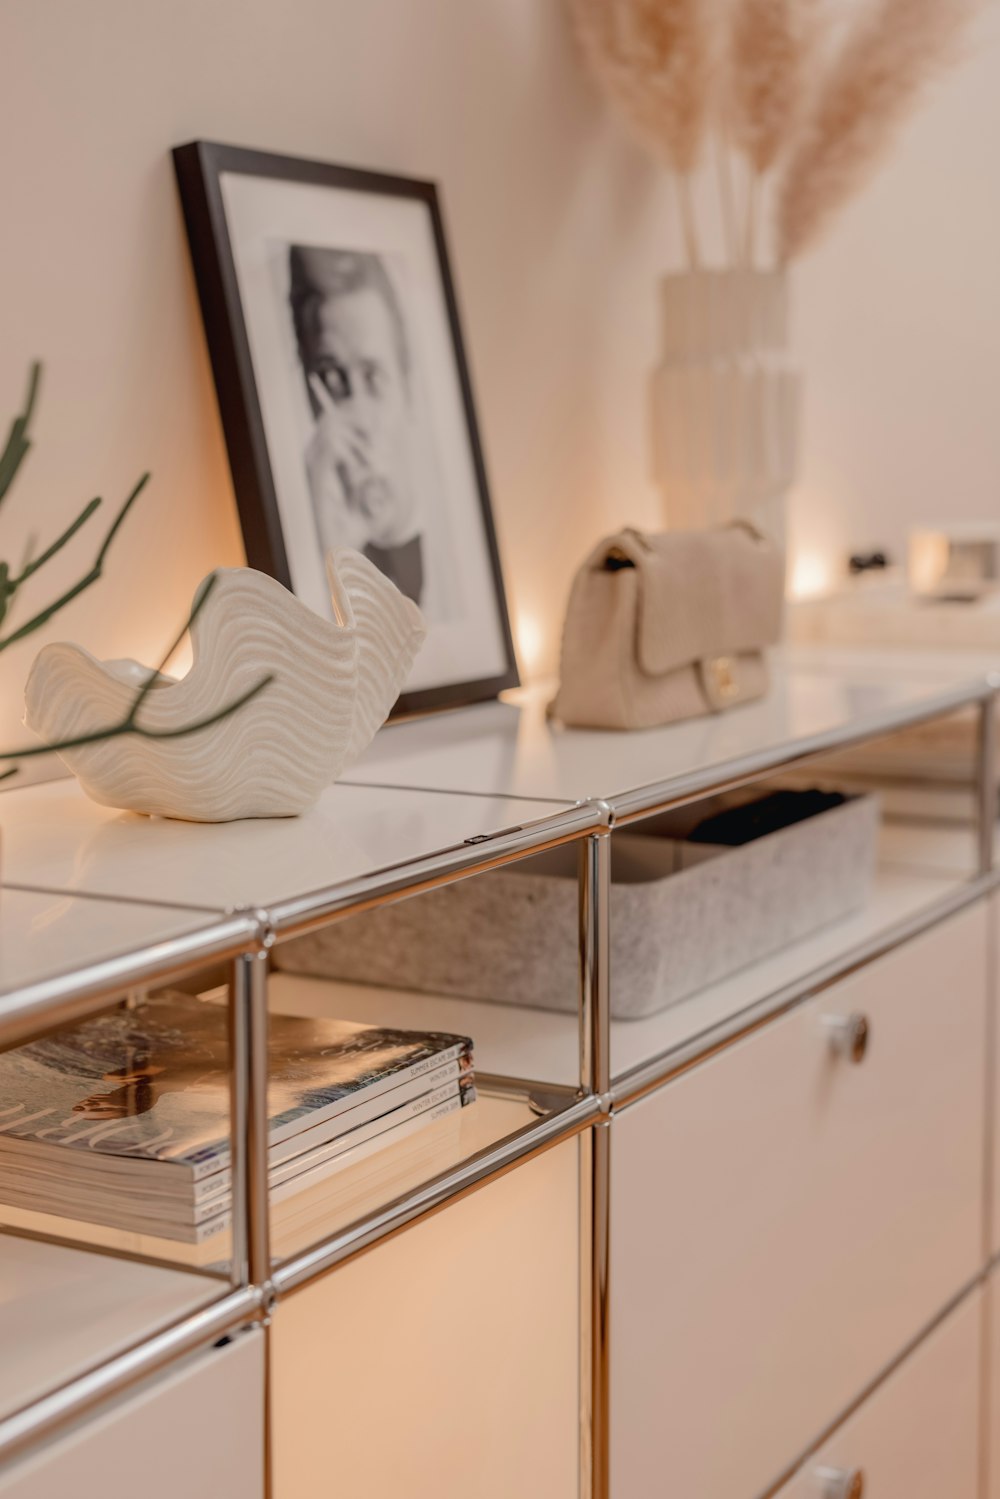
(333, 684)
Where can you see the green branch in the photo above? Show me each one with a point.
(15, 450)
(18, 442)
(130, 724)
(57, 545)
(88, 579)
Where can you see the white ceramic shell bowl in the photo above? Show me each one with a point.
(333, 684)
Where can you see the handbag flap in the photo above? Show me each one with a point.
(702, 594)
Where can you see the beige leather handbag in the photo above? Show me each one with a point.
(669, 626)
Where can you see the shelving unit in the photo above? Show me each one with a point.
(95, 904)
(922, 873)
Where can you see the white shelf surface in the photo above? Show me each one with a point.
(64, 1310)
(320, 1211)
(918, 867)
(45, 936)
(55, 838)
(512, 749)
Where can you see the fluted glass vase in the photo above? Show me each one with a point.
(725, 400)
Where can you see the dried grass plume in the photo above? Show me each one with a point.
(771, 47)
(888, 55)
(655, 60)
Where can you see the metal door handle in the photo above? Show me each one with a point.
(848, 1035)
(841, 1483)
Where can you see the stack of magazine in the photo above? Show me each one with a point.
(124, 1120)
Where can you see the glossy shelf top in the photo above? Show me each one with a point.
(816, 702)
(45, 935)
(55, 838)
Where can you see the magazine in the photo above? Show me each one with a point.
(145, 1214)
(149, 1086)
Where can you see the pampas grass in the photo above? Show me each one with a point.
(890, 53)
(757, 75)
(771, 46)
(655, 59)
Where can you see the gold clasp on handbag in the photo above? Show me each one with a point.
(721, 670)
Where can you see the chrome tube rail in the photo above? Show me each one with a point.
(70, 997)
(244, 938)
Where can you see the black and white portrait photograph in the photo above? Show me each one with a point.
(369, 455)
(345, 396)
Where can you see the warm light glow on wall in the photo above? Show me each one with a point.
(811, 575)
(529, 644)
(180, 662)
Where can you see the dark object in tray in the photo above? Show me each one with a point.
(780, 809)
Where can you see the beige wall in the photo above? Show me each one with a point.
(898, 326)
(558, 228)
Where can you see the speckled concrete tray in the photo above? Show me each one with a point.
(682, 916)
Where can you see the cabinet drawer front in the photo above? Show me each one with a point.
(784, 1221)
(197, 1430)
(445, 1362)
(917, 1436)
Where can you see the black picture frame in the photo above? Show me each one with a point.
(199, 166)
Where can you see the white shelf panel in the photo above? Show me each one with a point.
(55, 838)
(63, 1310)
(512, 749)
(43, 936)
(918, 868)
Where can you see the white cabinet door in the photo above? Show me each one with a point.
(195, 1433)
(917, 1436)
(444, 1363)
(784, 1221)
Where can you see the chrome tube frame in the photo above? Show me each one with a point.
(595, 1081)
(594, 926)
(986, 781)
(251, 1255)
(71, 997)
(599, 1455)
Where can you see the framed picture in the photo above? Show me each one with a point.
(345, 396)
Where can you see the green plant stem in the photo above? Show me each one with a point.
(150, 682)
(18, 442)
(83, 583)
(129, 726)
(58, 544)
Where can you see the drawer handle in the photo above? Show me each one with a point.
(841, 1483)
(848, 1035)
